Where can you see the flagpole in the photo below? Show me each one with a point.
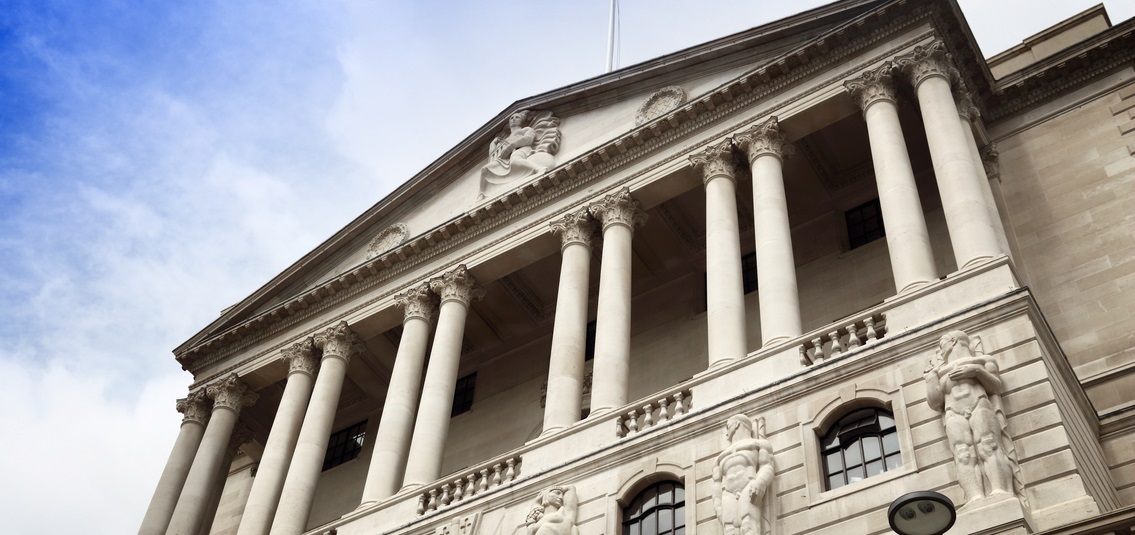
(611, 39)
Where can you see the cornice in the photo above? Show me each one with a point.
(795, 65)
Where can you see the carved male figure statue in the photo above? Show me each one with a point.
(527, 147)
(965, 385)
(555, 512)
(741, 479)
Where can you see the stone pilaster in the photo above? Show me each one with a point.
(725, 291)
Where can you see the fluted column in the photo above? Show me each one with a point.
(908, 242)
(967, 114)
(195, 409)
(569, 333)
(776, 268)
(725, 289)
(967, 217)
(241, 434)
(273, 470)
(392, 443)
(457, 289)
(229, 395)
(619, 214)
(339, 344)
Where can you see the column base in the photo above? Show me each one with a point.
(776, 340)
(410, 486)
(913, 286)
(721, 362)
(600, 411)
(978, 261)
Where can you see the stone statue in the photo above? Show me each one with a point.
(964, 384)
(742, 478)
(527, 147)
(555, 512)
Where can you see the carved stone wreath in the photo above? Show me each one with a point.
(660, 103)
(388, 239)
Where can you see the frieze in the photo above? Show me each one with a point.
(565, 178)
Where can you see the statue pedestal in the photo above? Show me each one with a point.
(994, 514)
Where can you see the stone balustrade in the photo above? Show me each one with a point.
(838, 340)
(469, 484)
(668, 407)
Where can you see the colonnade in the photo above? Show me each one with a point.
(409, 446)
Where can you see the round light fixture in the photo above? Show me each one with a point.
(921, 513)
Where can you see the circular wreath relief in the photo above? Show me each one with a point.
(659, 103)
(388, 239)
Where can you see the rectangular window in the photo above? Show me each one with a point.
(463, 394)
(345, 445)
(589, 344)
(749, 272)
(864, 224)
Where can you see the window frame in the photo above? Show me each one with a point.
(464, 391)
(676, 510)
(851, 434)
(339, 450)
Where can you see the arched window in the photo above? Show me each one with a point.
(860, 445)
(660, 509)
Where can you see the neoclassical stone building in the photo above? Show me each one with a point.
(762, 286)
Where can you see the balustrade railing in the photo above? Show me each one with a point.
(666, 408)
(469, 484)
(858, 333)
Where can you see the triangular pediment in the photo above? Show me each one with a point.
(584, 116)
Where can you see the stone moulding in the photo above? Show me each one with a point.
(792, 67)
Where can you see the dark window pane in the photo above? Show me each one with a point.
(649, 498)
(344, 445)
(463, 394)
(864, 224)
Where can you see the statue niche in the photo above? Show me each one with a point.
(526, 147)
(964, 384)
(742, 479)
(555, 512)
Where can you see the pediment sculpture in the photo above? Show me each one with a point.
(526, 147)
(964, 384)
(742, 479)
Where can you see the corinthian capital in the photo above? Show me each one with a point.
(417, 302)
(764, 138)
(926, 62)
(301, 357)
(457, 285)
(966, 108)
(195, 407)
(991, 160)
(715, 161)
(231, 393)
(872, 86)
(339, 341)
(618, 208)
(575, 227)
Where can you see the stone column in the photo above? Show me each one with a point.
(229, 395)
(392, 443)
(971, 231)
(776, 268)
(269, 481)
(569, 334)
(967, 114)
(195, 409)
(339, 344)
(241, 434)
(619, 215)
(457, 289)
(908, 242)
(725, 289)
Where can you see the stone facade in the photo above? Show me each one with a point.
(761, 288)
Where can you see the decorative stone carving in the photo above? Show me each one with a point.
(619, 208)
(991, 160)
(195, 407)
(457, 285)
(964, 384)
(388, 239)
(417, 302)
(526, 147)
(575, 227)
(231, 393)
(241, 435)
(660, 103)
(742, 479)
(966, 108)
(715, 161)
(764, 138)
(339, 342)
(301, 357)
(555, 512)
(464, 525)
(926, 62)
(873, 86)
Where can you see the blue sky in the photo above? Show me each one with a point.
(160, 161)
